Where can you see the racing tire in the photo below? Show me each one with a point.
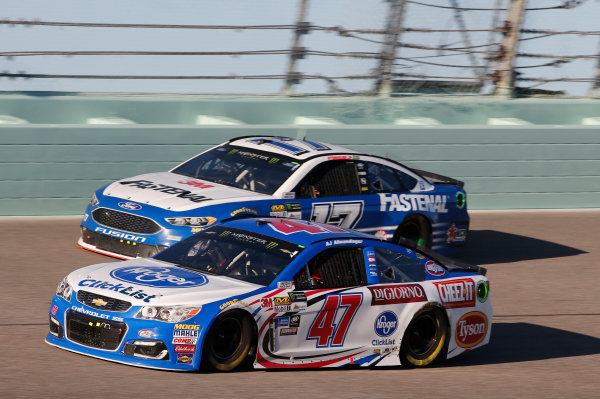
(229, 342)
(425, 340)
(416, 229)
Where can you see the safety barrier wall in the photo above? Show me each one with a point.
(52, 169)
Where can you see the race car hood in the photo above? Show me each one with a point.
(147, 281)
(176, 192)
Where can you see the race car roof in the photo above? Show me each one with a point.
(294, 148)
(294, 230)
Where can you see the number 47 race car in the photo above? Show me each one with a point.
(275, 293)
(282, 177)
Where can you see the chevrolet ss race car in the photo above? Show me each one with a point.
(276, 176)
(275, 293)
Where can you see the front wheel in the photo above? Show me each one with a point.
(425, 340)
(229, 341)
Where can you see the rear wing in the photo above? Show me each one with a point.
(434, 178)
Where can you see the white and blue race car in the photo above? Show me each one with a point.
(275, 293)
(276, 176)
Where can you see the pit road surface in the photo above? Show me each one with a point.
(544, 271)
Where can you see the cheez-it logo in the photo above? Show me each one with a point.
(459, 293)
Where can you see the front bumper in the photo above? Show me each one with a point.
(120, 337)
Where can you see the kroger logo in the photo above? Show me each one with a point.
(159, 277)
(386, 323)
(130, 206)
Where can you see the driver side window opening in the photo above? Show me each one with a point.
(395, 267)
(382, 178)
(333, 268)
(330, 179)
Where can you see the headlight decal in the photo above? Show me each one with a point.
(64, 290)
(168, 314)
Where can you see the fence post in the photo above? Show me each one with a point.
(505, 81)
(388, 54)
(297, 52)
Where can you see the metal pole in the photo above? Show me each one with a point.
(297, 52)
(478, 72)
(388, 54)
(504, 68)
(594, 91)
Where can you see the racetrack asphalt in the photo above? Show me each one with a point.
(544, 271)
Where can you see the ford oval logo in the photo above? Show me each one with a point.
(130, 206)
(163, 277)
(386, 323)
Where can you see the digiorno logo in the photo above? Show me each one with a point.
(471, 329)
(401, 293)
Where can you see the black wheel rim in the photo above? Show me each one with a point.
(227, 338)
(423, 335)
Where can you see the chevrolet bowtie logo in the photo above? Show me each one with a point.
(99, 302)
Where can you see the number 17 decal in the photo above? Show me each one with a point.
(324, 328)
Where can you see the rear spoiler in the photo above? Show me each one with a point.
(434, 178)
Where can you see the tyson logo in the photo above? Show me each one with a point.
(471, 329)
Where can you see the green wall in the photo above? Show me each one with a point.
(52, 164)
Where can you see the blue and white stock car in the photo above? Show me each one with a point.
(275, 293)
(276, 176)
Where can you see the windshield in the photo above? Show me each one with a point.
(241, 168)
(235, 253)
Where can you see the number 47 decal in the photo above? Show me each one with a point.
(324, 328)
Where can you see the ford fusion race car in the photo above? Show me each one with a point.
(277, 176)
(278, 292)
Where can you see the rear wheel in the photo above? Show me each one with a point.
(425, 340)
(416, 229)
(229, 341)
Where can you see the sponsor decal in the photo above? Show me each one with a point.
(187, 326)
(289, 331)
(382, 235)
(120, 288)
(185, 348)
(386, 324)
(413, 202)
(459, 293)
(183, 358)
(277, 208)
(196, 184)
(185, 341)
(342, 242)
(295, 321)
(54, 309)
(383, 341)
(290, 253)
(371, 259)
(145, 333)
(393, 294)
(293, 207)
(181, 193)
(288, 195)
(164, 277)
(285, 285)
(471, 329)
(297, 296)
(130, 206)
(244, 210)
(229, 303)
(298, 306)
(456, 235)
(266, 302)
(282, 300)
(282, 322)
(434, 269)
(282, 308)
(186, 333)
(118, 234)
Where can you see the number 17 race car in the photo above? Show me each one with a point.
(281, 177)
(275, 293)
